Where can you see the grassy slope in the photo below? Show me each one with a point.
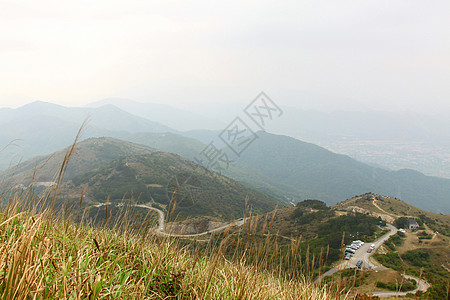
(50, 258)
(90, 154)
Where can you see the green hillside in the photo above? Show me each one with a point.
(89, 155)
(154, 178)
(116, 169)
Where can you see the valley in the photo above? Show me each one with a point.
(395, 155)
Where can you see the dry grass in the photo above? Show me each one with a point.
(44, 255)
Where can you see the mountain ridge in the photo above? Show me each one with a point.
(314, 172)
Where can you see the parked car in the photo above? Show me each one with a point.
(347, 257)
(369, 250)
(359, 263)
(350, 250)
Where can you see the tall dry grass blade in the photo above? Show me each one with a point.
(65, 164)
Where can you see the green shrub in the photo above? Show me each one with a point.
(419, 257)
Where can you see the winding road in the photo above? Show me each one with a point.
(422, 285)
(361, 253)
(161, 223)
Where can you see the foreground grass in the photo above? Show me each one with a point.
(46, 258)
(46, 255)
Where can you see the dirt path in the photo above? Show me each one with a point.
(374, 202)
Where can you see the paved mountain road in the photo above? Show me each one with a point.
(360, 254)
(422, 285)
(161, 223)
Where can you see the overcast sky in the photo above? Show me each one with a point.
(383, 55)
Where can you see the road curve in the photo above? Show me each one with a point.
(161, 223)
(161, 217)
(422, 286)
(161, 226)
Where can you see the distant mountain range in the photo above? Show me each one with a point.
(307, 171)
(278, 165)
(391, 140)
(40, 128)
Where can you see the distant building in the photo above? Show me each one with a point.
(412, 224)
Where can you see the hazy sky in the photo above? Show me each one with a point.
(385, 55)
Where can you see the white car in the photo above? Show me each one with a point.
(350, 250)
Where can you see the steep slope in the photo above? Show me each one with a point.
(279, 165)
(105, 150)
